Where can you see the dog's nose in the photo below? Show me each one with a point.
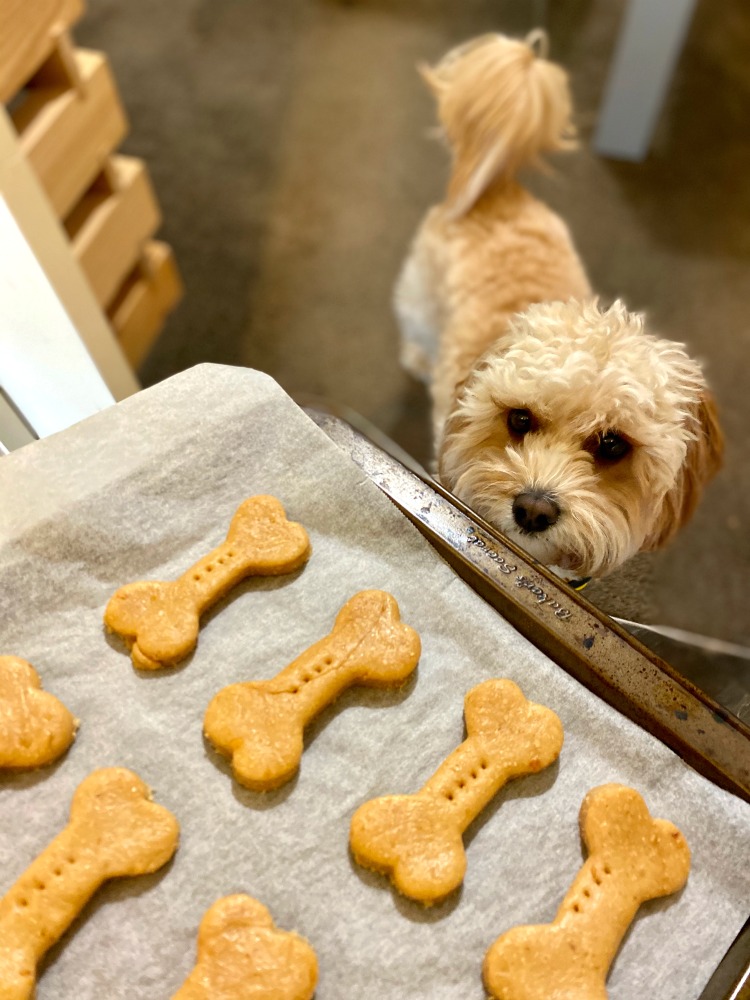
(535, 511)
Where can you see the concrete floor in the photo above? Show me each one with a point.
(288, 143)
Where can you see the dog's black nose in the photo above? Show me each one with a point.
(535, 511)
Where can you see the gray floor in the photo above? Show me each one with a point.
(288, 142)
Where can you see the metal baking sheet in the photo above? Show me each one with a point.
(143, 490)
(585, 642)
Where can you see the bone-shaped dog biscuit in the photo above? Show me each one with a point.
(242, 955)
(160, 620)
(260, 724)
(114, 830)
(632, 858)
(417, 839)
(35, 727)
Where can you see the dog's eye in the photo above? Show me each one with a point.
(612, 447)
(520, 421)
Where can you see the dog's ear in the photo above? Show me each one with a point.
(702, 461)
(453, 425)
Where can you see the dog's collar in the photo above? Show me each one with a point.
(579, 584)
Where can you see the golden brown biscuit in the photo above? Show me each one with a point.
(417, 839)
(114, 830)
(160, 620)
(35, 727)
(243, 956)
(260, 724)
(632, 858)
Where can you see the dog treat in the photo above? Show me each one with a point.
(417, 839)
(632, 858)
(160, 620)
(260, 724)
(114, 830)
(242, 955)
(35, 727)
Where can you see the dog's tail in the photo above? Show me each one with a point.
(501, 104)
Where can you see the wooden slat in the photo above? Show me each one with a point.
(28, 31)
(67, 133)
(143, 304)
(108, 228)
(30, 208)
(60, 69)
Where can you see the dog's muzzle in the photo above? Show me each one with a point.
(534, 511)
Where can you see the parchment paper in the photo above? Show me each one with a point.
(144, 489)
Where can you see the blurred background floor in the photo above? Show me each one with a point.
(289, 146)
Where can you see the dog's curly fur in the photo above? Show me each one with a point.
(497, 314)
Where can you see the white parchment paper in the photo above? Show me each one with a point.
(144, 489)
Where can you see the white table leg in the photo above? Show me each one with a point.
(648, 47)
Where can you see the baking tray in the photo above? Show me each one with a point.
(576, 635)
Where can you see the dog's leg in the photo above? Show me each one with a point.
(417, 312)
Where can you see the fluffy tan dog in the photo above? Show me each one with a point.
(564, 424)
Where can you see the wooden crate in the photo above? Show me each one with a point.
(111, 224)
(66, 111)
(29, 30)
(68, 128)
(146, 298)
